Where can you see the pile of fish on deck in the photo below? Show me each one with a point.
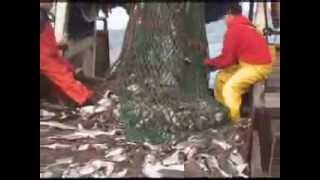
(91, 142)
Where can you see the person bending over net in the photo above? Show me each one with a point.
(57, 70)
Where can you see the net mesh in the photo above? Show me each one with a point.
(163, 88)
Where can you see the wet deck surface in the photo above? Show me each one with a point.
(73, 144)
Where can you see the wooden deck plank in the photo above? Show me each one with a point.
(256, 169)
(274, 76)
(272, 100)
(275, 172)
(274, 166)
(273, 113)
(272, 85)
(275, 127)
(276, 69)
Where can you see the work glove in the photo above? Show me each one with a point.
(208, 63)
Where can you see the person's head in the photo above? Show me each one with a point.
(233, 11)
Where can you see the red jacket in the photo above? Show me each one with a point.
(58, 70)
(242, 41)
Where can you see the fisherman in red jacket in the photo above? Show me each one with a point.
(57, 69)
(245, 60)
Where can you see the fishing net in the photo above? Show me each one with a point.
(163, 88)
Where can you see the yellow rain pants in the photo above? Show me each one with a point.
(235, 80)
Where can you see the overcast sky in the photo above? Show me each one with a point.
(118, 18)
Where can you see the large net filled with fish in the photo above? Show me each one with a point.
(163, 89)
